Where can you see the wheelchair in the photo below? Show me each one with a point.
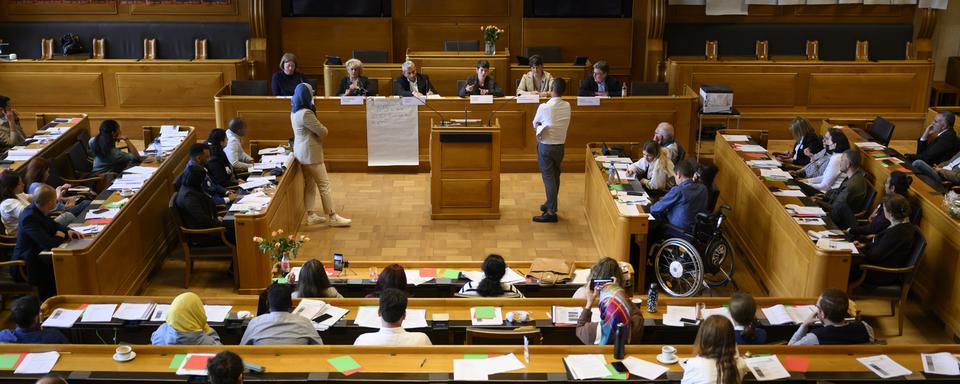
(679, 265)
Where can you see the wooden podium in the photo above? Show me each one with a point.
(465, 171)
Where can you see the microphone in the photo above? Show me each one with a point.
(443, 123)
(466, 120)
(497, 109)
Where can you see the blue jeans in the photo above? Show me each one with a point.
(549, 157)
(921, 167)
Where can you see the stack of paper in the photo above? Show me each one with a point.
(277, 160)
(62, 318)
(217, 313)
(129, 311)
(89, 229)
(809, 221)
(825, 234)
(884, 366)
(310, 308)
(38, 363)
(772, 163)
(626, 209)
(102, 213)
(943, 363)
(570, 315)
(368, 317)
(870, 145)
(766, 368)
(781, 314)
(749, 148)
(98, 313)
(251, 184)
(789, 193)
(584, 367)
(127, 183)
(797, 210)
(613, 159)
(643, 368)
(271, 151)
(775, 174)
(21, 153)
(141, 170)
(833, 245)
(486, 316)
(413, 277)
(736, 137)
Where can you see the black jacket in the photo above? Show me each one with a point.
(589, 87)
(401, 87)
(891, 248)
(488, 83)
(37, 233)
(811, 141)
(197, 209)
(942, 149)
(220, 172)
(363, 82)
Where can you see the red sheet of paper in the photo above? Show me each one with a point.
(348, 373)
(428, 272)
(196, 362)
(99, 221)
(796, 363)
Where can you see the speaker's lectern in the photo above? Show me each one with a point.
(465, 170)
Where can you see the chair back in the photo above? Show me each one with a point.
(919, 245)
(175, 216)
(917, 212)
(371, 56)
(79, 160)
(549, 54)
(249, 88)
(461, 45)
(882, 130)
(373, 87)
(482, 336)
(313, 84)
(583, 82)
(642, 88)
(461, 84)
(83, 137)
(60, 168)
(865, 210)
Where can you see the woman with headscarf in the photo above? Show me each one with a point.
(186, 324)
(218, 165)
(615, 308)
(308, 136)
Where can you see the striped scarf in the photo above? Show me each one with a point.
(613, 310)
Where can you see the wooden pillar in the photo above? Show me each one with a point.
(654, 64)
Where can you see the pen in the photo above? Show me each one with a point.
(423, 362)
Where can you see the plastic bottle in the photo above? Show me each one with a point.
(620, 339)
(285, 265)
(652, 298)
(611, 174)
(623, 90)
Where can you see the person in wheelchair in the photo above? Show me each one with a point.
(676, 212)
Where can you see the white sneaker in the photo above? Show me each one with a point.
(339, 221)
(313, 219)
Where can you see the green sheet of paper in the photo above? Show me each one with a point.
(8, 360)
(485, 312)
(452, 274)
(616, 187)
(280, 280)
(344, 363)
(475, 356)
(614, 375)
(177, 360)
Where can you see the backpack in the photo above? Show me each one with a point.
(70, 44)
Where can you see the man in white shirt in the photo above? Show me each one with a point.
(393, 309)
(239, 160)
(551, 123)
(280, 327)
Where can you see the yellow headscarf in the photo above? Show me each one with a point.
(186, 314)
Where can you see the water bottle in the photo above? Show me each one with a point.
(611, 174)
(620, 339)
(623, 90)
(652, 297)
(285, 265)
(157, 149)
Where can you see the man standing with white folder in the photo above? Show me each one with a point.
(550, 123)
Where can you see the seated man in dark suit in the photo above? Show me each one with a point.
(197, 209)
(600, 84)
(945, 143)
(26, 314)
(850, 195)
(481, 83)
(411, 83)
(38, 233)
(680, 206)
(199, 154)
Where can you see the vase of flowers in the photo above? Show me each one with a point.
(491, 33)
(281, 248)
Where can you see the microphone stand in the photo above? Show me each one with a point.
(490, 118)
(443, 122)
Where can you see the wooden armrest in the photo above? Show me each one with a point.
(877, 268)
(80, 181)
(11, 263)
(204, 231)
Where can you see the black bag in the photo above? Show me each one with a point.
(70, 43)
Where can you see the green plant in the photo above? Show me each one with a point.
(491, 32)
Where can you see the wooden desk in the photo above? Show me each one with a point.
(787, 262)
(345, 149)
(308, 364)
(119, 259)
(445, 68)
(63, 143)
(136, 93)
(613, 232)
(937, 276)
(345, 331)
(285, 211)
(569, 72)
(464, 171)
(771, 93)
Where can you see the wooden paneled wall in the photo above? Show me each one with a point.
(118, 10)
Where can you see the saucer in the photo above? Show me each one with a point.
(116, 357)
(663, 360)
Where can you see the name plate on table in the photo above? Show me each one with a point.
(528, 99)
(413, 100)
(351, 100)
(588, 101)
(481, 99)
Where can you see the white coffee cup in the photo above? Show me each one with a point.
(124, 351)
(13, 56)
(668, 352)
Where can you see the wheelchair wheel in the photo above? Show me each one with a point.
(719, 263)
(679, 268)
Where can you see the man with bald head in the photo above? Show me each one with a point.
(52, 379)
(663, 135)
(38, 233)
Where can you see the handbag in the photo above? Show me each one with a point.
(70, 44)
(546, 271)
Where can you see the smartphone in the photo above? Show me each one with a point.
(619, 367)
(338, 262)
(597, 283)
(101, 210)
(322, 317)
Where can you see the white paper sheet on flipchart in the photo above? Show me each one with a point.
(181, 371)
(38, 363)
(413, 277)
(160, 313)
(884, 366)
(943, 363)
(481, 99)
(750, 148)
(628, 209)
(62, 318)
(393, 136)
(503, 363)
(833, 245)
(588, 101)
(351, 100)
(413, 100)
(580, 276)
(496, 320)
(584, 367)
(789, 193)
(141, 169)
(528, 99)
(254, 184)
(736, 137)
(643, 368)
(217, 313)
(719, 311)
(133, 311)
(766, 368)
(469, 370)
(99, 313)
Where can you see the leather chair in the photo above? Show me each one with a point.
(549, 54)
(75, 167)
(895, 293)
(191, 252)
(313, 84)
(250, 88)
(881, 130)
(501, 336)
(461, 45)
(371, 56)
(9, 285)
